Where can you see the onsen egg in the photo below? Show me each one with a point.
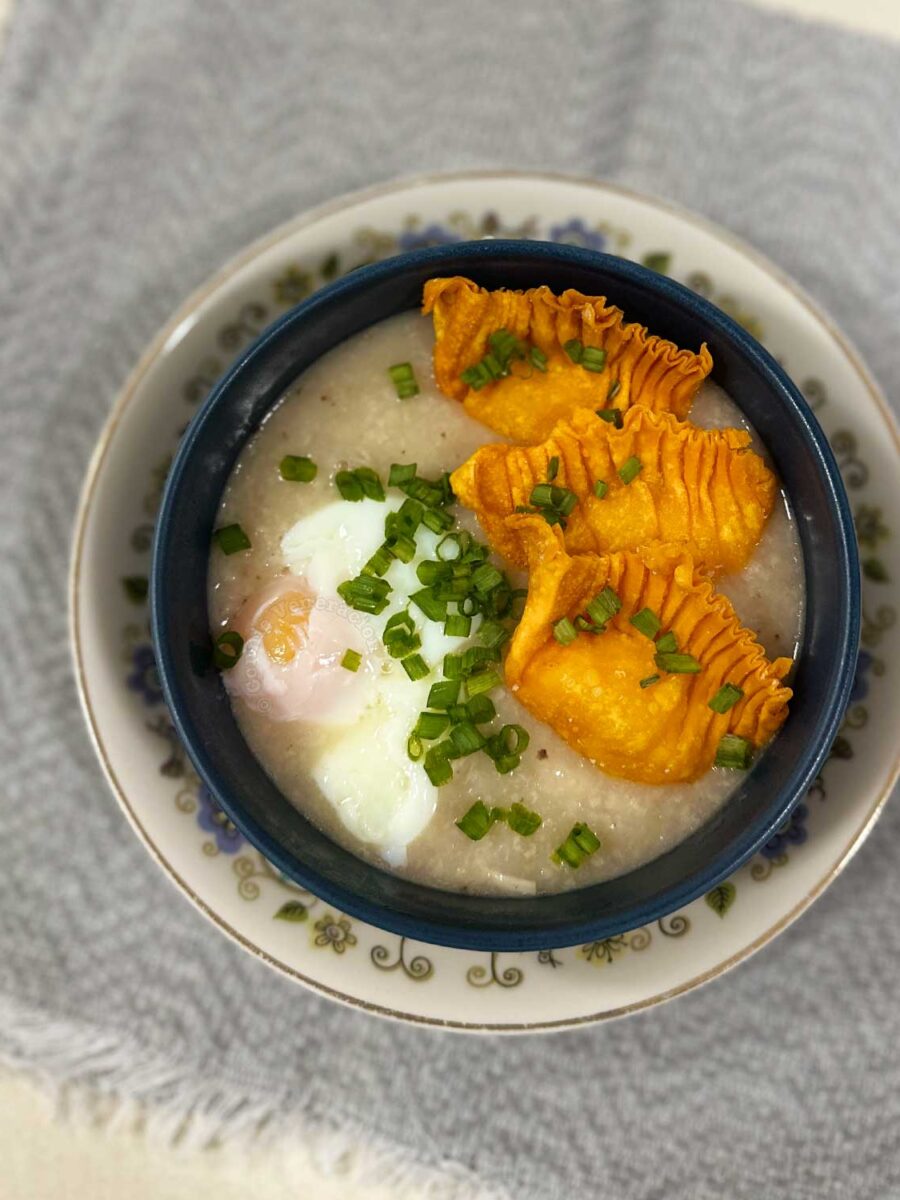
(296, 633)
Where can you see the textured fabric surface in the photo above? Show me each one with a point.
(140, 145)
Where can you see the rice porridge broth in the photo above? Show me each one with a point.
(344, 412)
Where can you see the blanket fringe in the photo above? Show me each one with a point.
(118, 1085)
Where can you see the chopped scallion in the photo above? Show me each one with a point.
(667, 644)
(227, 650)
(581, 843)
(734, 752)
(726, 698)
(564, 631)
(600, 489)
(457, 625)
(483, 681)
(404, 380)
(604, 606)
(678, 664)
(613, 416)
(297, 468)
(646, 622)
(401, 473)
(437, 766)
(414, 747)
(614, 389)
(480, 710)
(431, 725)
(476, 822)
(352, 660)
(466, 738)
(433, 608)
(538, 358)
(486, 578)
(593, 359)
(370, 482)
(522, 820)
(349, 486)
(650, 680)
(630, 469)
(575, 349)
(552, 468)
(415, 666)
(231, 539)
(444, 693)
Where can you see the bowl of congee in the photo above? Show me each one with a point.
(505, 595)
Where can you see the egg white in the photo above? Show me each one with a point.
(380, 796)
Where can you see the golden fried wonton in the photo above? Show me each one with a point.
(589, 691)
(639, 368)
(702, 490)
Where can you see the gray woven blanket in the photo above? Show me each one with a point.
(141, 144)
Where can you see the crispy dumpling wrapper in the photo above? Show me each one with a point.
(589, 690)
(526, 404)
(702, 490)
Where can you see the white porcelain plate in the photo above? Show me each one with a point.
(209, 860)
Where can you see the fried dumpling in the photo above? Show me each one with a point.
(639, 368)
(589, 689)
(702, 490)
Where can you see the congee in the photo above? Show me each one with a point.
(505, 594)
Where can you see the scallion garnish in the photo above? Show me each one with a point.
(600, 489)
(480, 710)
(538, 359)
(492, 633)
(475, 657)
(365, 593)
(476, 376)
(445, 693)
(593, 359)
(486, 578)
(415, 666)
(352, 660)
(604, 607)
(667, 644)
(630, 469)
(734, 752)
(297, 468)
(512, 739)
(575, 349)
(522, 820)
(614, 389)
(552, 468)
(650, 680)
(466, 738)
(613, 416)
(482, 681)
(581, 843)
(431, 725)
(438, 520)
(380, 561)
(349, 486)
(402, 546)
(477, 821)
(437, 766)
(406, 520)
(646, 622)
(678, 664)
(371, 483)
(726, 698)
(231, 539)
(553, 503)
(564, 631)
(457, 625)
(401, 473)
(434, 608)
(227, 649)
(453, 666)
(404, 380)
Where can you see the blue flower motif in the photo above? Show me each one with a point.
(210, 817)
(431, 235)
(860, 687)
(574, 232)
(792, 833)
(143, 678)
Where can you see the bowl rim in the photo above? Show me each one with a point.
(675, 896)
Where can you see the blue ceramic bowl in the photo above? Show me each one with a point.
(199, 704)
